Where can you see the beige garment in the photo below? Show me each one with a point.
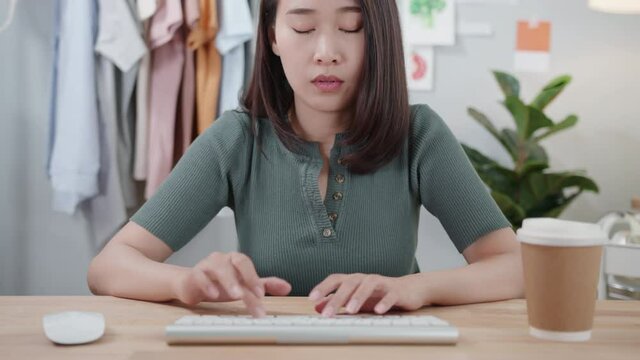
(208, 64)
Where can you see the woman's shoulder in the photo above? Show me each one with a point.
(426, 123)
(230, 126)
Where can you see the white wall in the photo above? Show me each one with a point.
(43, 252)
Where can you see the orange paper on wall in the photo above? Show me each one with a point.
(531, 38)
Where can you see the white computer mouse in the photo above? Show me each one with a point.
(73, 327)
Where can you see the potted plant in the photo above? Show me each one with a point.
(527, 188)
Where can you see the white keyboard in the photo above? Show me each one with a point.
(311, 329)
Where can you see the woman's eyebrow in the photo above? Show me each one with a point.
(307, 11)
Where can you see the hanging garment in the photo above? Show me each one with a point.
(236, 29)
(250, 47)
(208, 64)
(146, 8)
(10, 15)
(167, 63)
(186, 112)
(120, 48)
(74, 149)
(120, 45)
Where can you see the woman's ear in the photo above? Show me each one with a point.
(272, 40)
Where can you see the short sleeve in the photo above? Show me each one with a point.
(119, 37)
(165, 23)
(200, 184)
(446, 182)
(236, 26)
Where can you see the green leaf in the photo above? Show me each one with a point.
(534, 166)
(570, 121)
(540, 193)
(550, 91)
(508, 84)
(509, 208)
(487, 124)
(557, 211)
(492, 174)
(573, 179)
(537, 120)
(520, 114)
(510, 138)
(531, 151)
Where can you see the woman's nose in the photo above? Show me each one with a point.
(326, 53)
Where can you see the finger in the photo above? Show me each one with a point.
(225, 273)
(253, 303)
(362, 293)
(322, 303)
(326, 286)
(386, 303)
(347, 287)
(247, 270)
(276, 286)
(205, 285)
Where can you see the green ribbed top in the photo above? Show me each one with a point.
(367, 223)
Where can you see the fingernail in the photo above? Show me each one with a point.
(315, 295)
(260, 310)
(351, 307)
(379, 308)
(259, 291)
(236, 291)
(327, 312)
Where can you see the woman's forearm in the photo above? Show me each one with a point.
(123, 271)
(497, 278)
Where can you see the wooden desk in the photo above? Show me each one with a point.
(135, 330)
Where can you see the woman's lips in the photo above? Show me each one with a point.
(327, 83)
(328, 86)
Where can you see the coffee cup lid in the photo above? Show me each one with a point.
(556, 232)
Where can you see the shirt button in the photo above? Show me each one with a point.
(340, 178)
(341, 161)
(337, 196)
(333, 216)
(327, 232)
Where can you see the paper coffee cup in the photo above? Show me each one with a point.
(561, 261)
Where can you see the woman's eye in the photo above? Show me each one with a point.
(303, 31)
(343, 30)
(351, 31)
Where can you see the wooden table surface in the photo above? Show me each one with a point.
(135, 330)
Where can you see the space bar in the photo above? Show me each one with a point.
(311, 335)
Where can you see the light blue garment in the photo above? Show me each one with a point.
(74, 160)
(235, 29)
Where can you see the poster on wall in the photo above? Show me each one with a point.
(533, 46)
(429, 22)
(420, 68)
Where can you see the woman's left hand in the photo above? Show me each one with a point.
(367, 293)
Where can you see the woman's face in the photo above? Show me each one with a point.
(316, 38)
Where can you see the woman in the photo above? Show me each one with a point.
(326, 168)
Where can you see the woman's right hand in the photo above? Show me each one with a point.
(228, 277)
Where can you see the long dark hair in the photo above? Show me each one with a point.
(381, 115)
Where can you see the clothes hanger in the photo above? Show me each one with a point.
(11, 14)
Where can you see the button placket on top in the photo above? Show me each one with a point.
(336, 186)
(312, 164)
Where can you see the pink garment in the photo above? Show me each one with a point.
(188, 96)
(167, 63)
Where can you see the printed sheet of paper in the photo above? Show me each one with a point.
(429, 22)
(420, 68)
(533, 42)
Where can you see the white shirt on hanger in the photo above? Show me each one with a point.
(236, 28)
(146, 8)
